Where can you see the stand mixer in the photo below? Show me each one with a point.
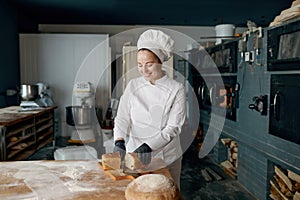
(29, 94)
(44, 98)
(80, 115)
(34, 97)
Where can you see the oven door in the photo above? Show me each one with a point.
(284, 47)
(285, 110)
(221, 97)
(225, 56)
(227, 96)
(202, 92)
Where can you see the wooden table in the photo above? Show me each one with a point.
(14, 114)
(59, 180)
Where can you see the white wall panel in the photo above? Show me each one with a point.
(60, 60)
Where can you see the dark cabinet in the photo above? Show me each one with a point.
(284, 107)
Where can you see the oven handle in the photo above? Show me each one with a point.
(276, 106)
(210, 94)
(202, 92)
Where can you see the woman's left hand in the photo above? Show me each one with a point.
(144, 153)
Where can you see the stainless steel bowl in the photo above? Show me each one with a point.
(79, 115)
(29, 92)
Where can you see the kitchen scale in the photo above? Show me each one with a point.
(42, 99)
(30, 105)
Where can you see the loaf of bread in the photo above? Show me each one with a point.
(132, 161)
(152, 186)
(111, 161)
(13, 139)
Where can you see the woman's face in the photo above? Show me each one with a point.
(149, 65)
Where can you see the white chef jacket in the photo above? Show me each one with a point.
(152, 114)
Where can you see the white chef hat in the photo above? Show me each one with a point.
(158, 42)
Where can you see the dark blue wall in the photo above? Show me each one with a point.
(258, 151)
(9, 53)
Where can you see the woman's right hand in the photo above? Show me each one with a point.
(120, 147)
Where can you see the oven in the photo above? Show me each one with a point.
(220, 96)
(283, 44)
(285, 110)
(225, 56)
(284, 47)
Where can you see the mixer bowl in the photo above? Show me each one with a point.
(28, 92)
(79, 115)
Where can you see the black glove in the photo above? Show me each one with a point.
(144, 153)
(120, 146)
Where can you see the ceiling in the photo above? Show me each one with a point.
(155, 12)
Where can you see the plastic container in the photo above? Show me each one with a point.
(224, 30)
(76, 153)
(109, 145)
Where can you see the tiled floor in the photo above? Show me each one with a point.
(193, 184)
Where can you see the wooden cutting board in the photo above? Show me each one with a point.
(116, 174)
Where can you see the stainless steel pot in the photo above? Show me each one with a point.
(79, 115)
(28, 92)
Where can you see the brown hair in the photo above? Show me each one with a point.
(143, 49)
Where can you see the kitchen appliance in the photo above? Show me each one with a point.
(44, 95)
(29, 92)
(284, 107)
(225, 56)
(210, 94)
(284, 47)
(34, 97)
(29, 95)
(284, 56)
(80, 115)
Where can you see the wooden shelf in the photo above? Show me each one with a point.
(15, 152)
(23, 156)
(19, 129)
(44, 143)
(19, 140)
(44, 127)
(33, 131)
(45, 135)
(44, 119)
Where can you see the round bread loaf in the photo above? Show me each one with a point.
(152, 186)
(13, 139)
